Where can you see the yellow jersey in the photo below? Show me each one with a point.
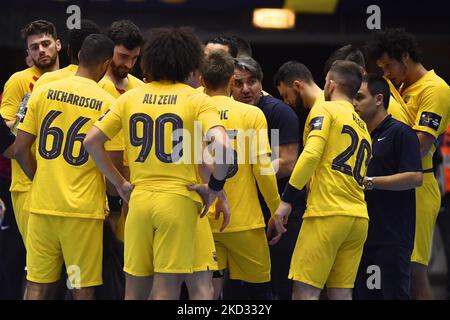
(246, 126)
(161, 135)
(427, 107)
(17, 86)
(336, 187)
(63, 73)
(60, 114)
(306, 129)
(396, 106)
(107, 85)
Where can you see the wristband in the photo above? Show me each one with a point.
(290, 193)
(214, 184)
(114, 203)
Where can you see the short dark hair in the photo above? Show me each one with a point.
(249, 64)
(291, 71)
(126, 33)
(348, 52)
(77, 36)
(171, 54)
(226, 41)
(39, 27)
(394, 42)
(244, 47)
(376, 84)
(96, 49)
(347, 75)
(217, 69)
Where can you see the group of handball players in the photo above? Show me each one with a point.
(189, 180)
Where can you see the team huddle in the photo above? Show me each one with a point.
(213, 184)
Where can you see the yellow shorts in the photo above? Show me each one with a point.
(428, 203)
(328, 251)
(205, 257)
(78, 242)
(160, 232)
(22, 215)
(245, 254)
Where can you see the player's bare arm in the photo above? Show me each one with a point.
(426, 140)
(9, 152)
(94, 144)
(287, 157)
(22, 153)
(214, 188)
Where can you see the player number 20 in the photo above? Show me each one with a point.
(339, 163)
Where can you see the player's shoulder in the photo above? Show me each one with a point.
(249, 111)
(435, 80)
(433, 84)
(323, 106)
(105, 81)
(94, 90)
(193, 95)
(135, 81)
(133, 96)
(23, 75)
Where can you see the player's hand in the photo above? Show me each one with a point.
(125, 191)
(208, 196)
(222, 206)
(272, 233)
(281, 216)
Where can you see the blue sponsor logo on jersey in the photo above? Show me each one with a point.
(430, 120)
(316, 123)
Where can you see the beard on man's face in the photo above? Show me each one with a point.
(299, 105)
(119, 71)
(44, 65)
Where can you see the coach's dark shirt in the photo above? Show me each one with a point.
(395, 149)
(6, 137)
(281, 116)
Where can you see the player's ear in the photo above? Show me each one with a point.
(331, 86)
(106, 64)
(379, 100)
(58, 45)
(104, 67)
(297, 85)
(405, 57)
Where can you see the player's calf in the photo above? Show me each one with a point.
(200, 285)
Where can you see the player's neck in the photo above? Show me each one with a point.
(312, 94)
(87, 73)
(337, 96)
(219, 92)
(120, 83)
(74, 61)
(416, 72)
(373, 123)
